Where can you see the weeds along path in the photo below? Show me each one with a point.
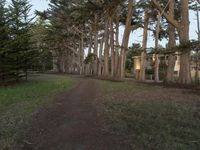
(71, 123)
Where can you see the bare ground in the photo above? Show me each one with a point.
(71, 123)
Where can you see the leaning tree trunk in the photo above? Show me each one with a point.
(144, 46)
(126, 36)
(185, 73)
(157, 60)
(169, 78)
(106, 50)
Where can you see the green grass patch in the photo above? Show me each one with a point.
(32, 90)
(152, 122)
(128, 86)
(18, 102)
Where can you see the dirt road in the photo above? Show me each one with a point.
(71, 123)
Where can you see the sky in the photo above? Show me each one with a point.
(39, 4)
(136, 36)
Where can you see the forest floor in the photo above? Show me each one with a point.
(104, 115)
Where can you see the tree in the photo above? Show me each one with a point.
(156, 55)
(20, 22)
(126, 37)
(182, 27)
(4, 40)
(169, 78)
(42, 61)
(66, 35)
(144, 46)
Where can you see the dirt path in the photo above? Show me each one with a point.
(71, 123)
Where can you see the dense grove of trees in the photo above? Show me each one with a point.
(83, 36)
(15, 40)
(94, 25)
(22, 41)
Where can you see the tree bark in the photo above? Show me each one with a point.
(197, 52)
(144, 46)
(95, 46)
(112, 47)
(100, 57)
(106, 50)
(117, 63)
(185, 73)
(81, 55)
(197, 68)
(183, 31)
(169, 78)
(157, 60)
(90, 41)
(126, 36)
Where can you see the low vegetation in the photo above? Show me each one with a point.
(152, 117)
(19, 102)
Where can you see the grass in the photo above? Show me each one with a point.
(152, 117)
(19, 102)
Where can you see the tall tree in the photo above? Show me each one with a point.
(106, 49)
(42, 60)
(127, 31)
(144, 46)
(182, 27)
(4, 40)
(156, 55)
(20, 22)
(169, 78)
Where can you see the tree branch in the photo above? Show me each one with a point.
(168, 17)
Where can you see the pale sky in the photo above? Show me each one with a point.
(39, 4)
(136, 37)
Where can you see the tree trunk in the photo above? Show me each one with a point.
(81, 55)
(144, 45)
(185, 73)
(126, 36)
(117, 66)
(95, 46)
(156, 68)
(95, 52)
(157, 60)
(60, 63)
(100, 57)
(106, 49)
(197, 52)
(183, 30)
(90, 42)
(197, 68)
(112, 47)
(169, 78)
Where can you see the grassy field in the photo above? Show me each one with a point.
(151, 117)
(19, 102)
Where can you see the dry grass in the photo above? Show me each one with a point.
(151, 117)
